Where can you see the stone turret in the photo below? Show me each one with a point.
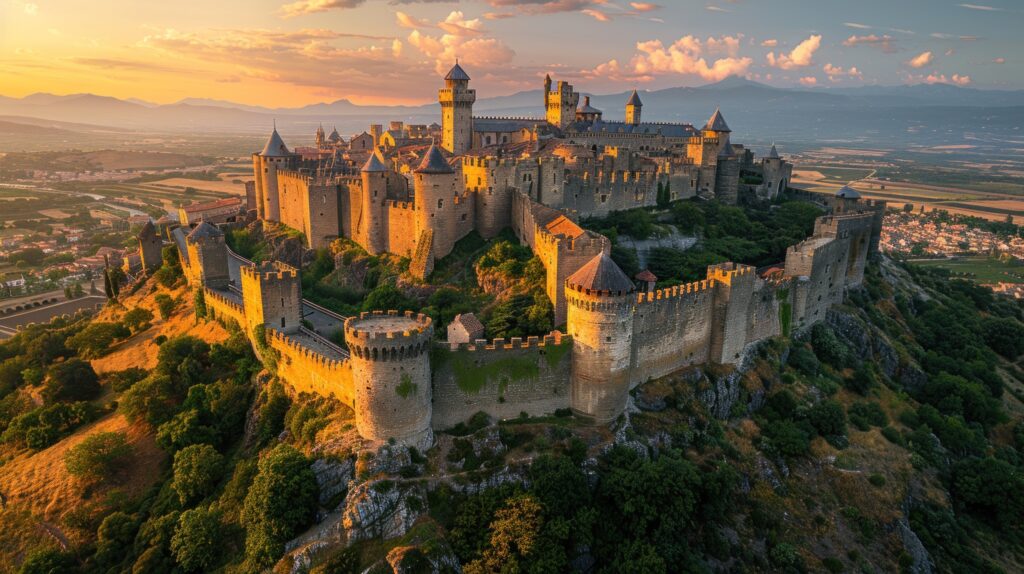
(150, 248)
(390, 358)
(272, 293)
(371, 222)
(734, 289)
(560, 105)
(208, 253)
(601, 299)
(456, 111)
(727, 173)
(435, 186)
(321, 136)
(633, 107)
(275, 156)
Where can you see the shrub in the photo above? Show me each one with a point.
(828, 347)
(877, 480)
(121, 381)
(48, 561)
(197, 539)
(95, 340)
(197, 469)
(281, 500)
(98, 456)
(138, 319)
(165, 304)
(44, 426)
(866, 415)
(72, 380)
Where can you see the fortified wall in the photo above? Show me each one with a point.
(404, 385)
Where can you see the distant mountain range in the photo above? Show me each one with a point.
(752, 109)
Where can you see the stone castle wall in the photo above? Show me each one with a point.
(308, 371)
(501, 378)
(671, 329)
(221, 306)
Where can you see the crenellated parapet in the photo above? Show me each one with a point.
(676, 291)
(270, 271)
(552, 339)
(295, 348)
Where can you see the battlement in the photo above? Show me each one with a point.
(552, 339)
(399, 204)
(727, 272)
(516, 118)
(380, 326)
(295, 348)
(221, 300)
(270, 271)
(675, 291)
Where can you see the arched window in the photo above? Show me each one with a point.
(440, 203)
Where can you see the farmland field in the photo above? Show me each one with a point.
(981, 269)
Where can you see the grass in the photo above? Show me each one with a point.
(980, 269)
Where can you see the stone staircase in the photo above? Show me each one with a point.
(423, 259)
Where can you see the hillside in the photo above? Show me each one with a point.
(888, 438)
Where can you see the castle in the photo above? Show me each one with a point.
(402, 383)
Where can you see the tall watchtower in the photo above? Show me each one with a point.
(633, 107)
(272, 293)
(601, 299)
(435, 186)
(456, 111)
(560, 105)
(265, 164)
(390, 357)
(370, 225)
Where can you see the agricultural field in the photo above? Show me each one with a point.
(981, 269)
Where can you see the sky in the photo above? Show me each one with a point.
(290, 53)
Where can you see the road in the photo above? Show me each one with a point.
(9, 323)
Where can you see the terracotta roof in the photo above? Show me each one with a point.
(646, 275)
(601, 274)
(200, 207)
(562, 225)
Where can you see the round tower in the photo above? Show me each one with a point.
(435, 187)
(370, 233)
(275, 155)
(600, 299)
(390, 358)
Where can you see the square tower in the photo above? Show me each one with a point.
(560, 104)
(272, 293)
(456, 111)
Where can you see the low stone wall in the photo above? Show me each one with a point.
(502, 379)
(307, 371)
(222, 307)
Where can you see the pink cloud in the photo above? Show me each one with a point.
(686, 56)
(801, 56)
(884, 42)
(921, 60)
(808, 81)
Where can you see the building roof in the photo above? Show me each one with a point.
(335, 136)
(717, 123)
(434, 162)
(848, 192)
(601, 274)
(586, 108)
(275, 146)
(647, 276)
(374, 164)
(148, 230)
(469, 322)
(205, 230)
(562, 225)
(634, 100)
(774, 153)
(457, 73)
(218, 204)
(665, 129)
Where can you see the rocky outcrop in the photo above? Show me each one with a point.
(332, 477)
(413, 560)
(719, 395)
(379, 509)
(922, 560)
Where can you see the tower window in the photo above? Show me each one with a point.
(282, 322)
(440, 203)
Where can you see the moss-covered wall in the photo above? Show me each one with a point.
(503, 382)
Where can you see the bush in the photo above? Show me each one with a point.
(138, 319)
(866, 415)
(48, 561)
(72, 380)
(44, 426)
(877, 480)
(114, 537)
(165, 304)
(829, 348)
(281, 500)
(121, 381)
(95, 340)
(197, 539)
(197, 469)
(98, 456)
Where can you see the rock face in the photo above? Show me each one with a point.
(922, 563)
(332, 477)
(870, 345)
(378, 509)
(719, 395)
(412, 560)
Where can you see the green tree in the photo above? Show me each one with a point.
(165, 304)
(387, 297)
(98, 456)
(96, 338)
(514, 534)
(72, 380)
(48, 561)
(281, 500)
(197, 468)
(138, 319)
(196, 544)
(199, 302)
(114, 537)
(1005, 335)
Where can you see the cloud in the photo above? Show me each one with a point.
(808, 81)
(411, 22)
(714, 8)
(686, 56)
(644, 6)
(999, 61)
(396, 48)
(836, 73)
(856, 25)
(457, 24)
(921, 60)
(31, 9)
(463, 39)
(884, 42)
(546, 6)
(801, 56)
(770, 43)
(936, 78)
(301, 7)
(612, 71)
(980, 7)
(597, 15)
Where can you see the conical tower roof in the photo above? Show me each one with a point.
(205, 230)
(848, 192)
(634, 100)
(374, 164)
(148, 230)
(457, 73)
(717, 122)
(774, 153)
(601, 274)
(335, 136)
(275, 146)
(434, 162)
